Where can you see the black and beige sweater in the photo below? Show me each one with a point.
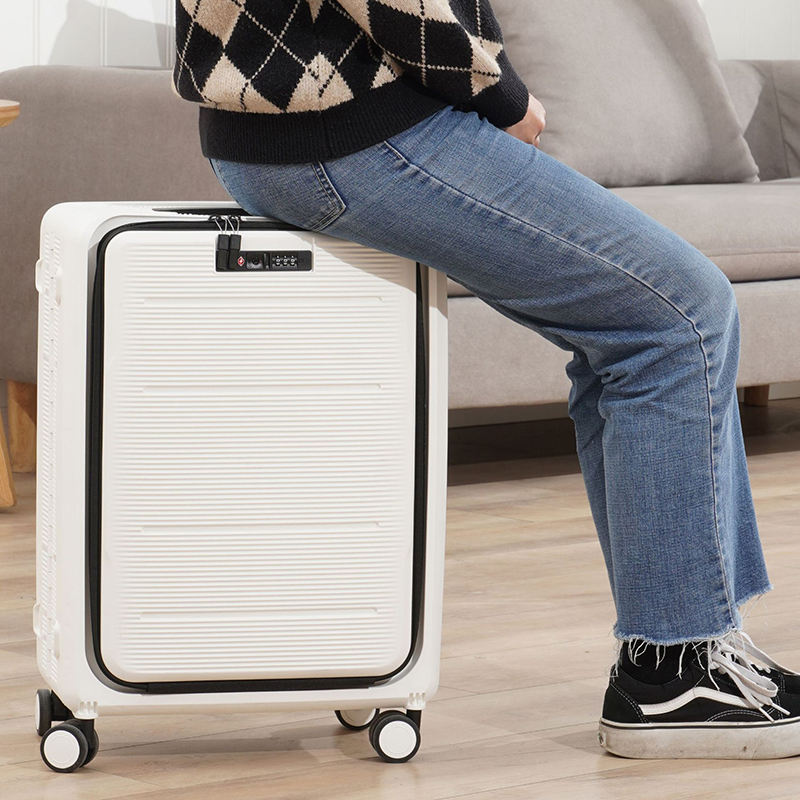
(304, 80)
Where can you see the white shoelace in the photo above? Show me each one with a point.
(759, 656)
(735, 655)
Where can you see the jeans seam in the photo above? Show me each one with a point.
(331, 195)
(507, 215)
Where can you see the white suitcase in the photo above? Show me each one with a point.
(242, 473)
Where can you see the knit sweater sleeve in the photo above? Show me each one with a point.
(454, 48)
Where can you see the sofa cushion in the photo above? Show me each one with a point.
(632, 88)
(749, 230)
(766, 96)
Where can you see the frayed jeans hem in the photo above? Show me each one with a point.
(736, 625)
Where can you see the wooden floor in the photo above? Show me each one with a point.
(527, 645)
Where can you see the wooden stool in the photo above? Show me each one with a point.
(9, 111)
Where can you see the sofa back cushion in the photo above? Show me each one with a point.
(766, 96)
(633, 89)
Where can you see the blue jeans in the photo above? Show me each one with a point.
(652, 324)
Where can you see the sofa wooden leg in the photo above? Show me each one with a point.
(22, 425)
(8, 497)
(756, 395)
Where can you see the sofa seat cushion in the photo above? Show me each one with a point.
(751, 231)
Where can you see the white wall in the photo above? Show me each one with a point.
(138, 33)
(111, 33)
(754, 28)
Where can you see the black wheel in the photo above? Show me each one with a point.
(94, 746)
(374, 723)
(64, 748)
(357, 720)
(372, 728)
(43, 711)
(394, 736)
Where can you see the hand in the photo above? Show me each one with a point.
(530, 127)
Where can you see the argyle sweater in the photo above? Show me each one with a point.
(286, 81)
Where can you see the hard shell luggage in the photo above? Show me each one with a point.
(242, 473)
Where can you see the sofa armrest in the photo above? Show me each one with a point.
(766, 96)
(84, 133)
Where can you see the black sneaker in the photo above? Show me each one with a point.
(720, 706)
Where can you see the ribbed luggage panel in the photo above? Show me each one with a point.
(50, 334)
(257, 461)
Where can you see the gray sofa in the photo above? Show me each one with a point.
(109, 134)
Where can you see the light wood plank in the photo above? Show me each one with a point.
(22, 425)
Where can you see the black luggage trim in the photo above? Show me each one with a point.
(94, 437)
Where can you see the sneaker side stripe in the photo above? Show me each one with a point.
(654, 709)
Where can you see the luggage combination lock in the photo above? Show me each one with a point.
(231, 259)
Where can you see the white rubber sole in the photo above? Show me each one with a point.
(742, 740)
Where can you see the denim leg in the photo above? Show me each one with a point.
(583, 409)
(584, 396)
(651, 322)
(680, 538)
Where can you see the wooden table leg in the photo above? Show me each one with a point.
(8, 497)
(22, 425)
